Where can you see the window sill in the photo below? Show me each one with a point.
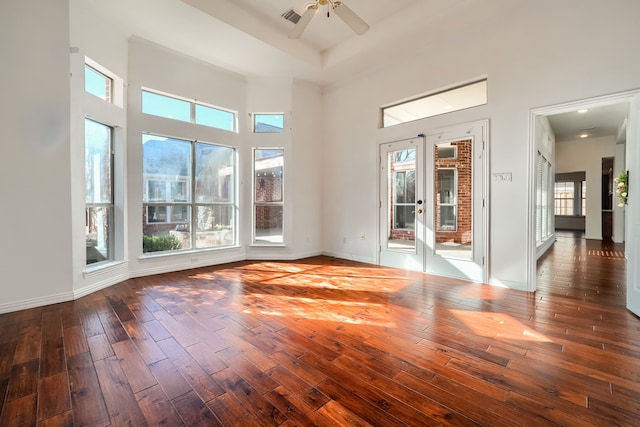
(268, 245)
(97, 269)
(154, 255)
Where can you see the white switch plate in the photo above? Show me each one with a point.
(502, 177)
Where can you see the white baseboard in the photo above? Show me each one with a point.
(350, 257)
(35, 302)
(281, 257)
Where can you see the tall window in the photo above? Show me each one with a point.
(188, 195)
(98, 192)
(544, 213)
(268, 200)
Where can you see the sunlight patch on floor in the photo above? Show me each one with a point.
(498, 325)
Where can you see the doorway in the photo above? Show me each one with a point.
(432, 214)
(628, 146)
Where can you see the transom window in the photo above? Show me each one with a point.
(446, 101)
(97, 84)
(186, 110)
(268, 122)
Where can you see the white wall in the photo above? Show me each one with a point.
(586, 155)
(35, 211)
(94, 38)
(532, 58)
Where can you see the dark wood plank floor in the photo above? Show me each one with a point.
(329, 342)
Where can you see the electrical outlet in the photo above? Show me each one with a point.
(193, 260)
(344, 240)
(363, 236)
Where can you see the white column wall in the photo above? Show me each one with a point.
(35, 212)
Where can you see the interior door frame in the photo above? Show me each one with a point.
(531, 265)
(462, 128)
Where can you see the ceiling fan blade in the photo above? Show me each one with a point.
(299, 28)
(350, 18)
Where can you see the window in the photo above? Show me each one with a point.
(268, 200)
(98, 84)
(544, 212)
(570, 198)
(190, 111)
(268, 123)
(447, 101)
(189, 194)
(564, 198)
(98, 192)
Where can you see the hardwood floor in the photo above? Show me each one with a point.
(330, 342)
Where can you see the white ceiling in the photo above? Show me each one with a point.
(596, 122)
(327, 51)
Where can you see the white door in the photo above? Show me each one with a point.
(456, 220)
(632, 229)
(432, 214)
(402, 204)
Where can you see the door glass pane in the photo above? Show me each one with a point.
(402, 199)
(453, 199)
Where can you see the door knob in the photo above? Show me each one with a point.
(419, 211)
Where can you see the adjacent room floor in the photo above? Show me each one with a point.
(330, 342)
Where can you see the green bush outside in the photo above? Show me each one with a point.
(159, 243)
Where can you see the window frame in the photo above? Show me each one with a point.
(192, 204)
(437, 97)
(193, 104)
(110, 206)
(254, 117)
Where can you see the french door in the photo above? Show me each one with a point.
(432, 215)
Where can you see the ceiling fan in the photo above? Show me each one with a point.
(347, 15)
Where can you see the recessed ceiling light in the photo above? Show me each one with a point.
(448, 107)
(584, 135)
(584, 110)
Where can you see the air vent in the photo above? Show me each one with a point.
(291, 15)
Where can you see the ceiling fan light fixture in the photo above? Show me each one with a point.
(304, 20)
(347, 15)
(350, 18)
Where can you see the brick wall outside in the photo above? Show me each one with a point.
(463, 165)
(268, 187)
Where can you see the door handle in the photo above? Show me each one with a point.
(419, 211)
